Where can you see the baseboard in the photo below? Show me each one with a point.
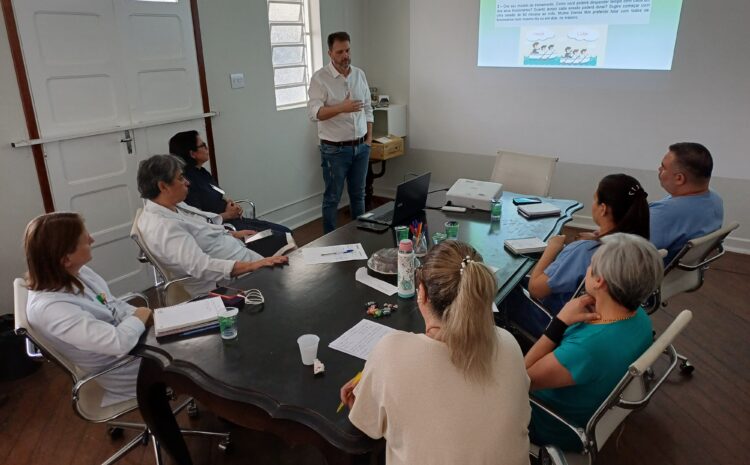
(737, 245)
(295, 220)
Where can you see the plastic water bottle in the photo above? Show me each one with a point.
(405, 269)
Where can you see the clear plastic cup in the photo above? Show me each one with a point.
(451, 230)
(496, 209)
(228, 323)
(308, 348)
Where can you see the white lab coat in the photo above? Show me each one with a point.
(91, 334)
(184, 242)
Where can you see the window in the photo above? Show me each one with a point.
(294, 36)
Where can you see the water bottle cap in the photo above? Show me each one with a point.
(405, 245)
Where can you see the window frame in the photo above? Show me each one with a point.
(310, 24)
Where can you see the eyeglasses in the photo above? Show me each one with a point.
(202, 146)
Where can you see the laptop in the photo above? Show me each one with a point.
(411, 198)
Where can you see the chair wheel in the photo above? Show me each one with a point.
(192, 409)
(225, 445)
(114, 432)
(686, 368)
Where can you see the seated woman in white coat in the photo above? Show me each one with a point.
(71, 305)
(186, 240)
(457, 393)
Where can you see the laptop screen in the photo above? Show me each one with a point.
(411, 198)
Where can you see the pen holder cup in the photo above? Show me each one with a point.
(420, 245)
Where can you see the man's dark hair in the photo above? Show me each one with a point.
(182, 143)
(340, 36)
(693, 158)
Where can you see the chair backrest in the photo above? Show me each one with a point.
(87, 401)
(175, 292)
(685, 272)
(524, 174)
(633, 391)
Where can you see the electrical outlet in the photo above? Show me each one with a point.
(237, 80)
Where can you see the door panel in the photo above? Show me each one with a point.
(74, 64)
(103, 65)
(159, 59)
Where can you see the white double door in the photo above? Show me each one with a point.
(108, 78)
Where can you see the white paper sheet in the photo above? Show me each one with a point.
(333, 254)
(360, 339)
(375, 283)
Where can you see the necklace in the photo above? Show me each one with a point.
(612, 320)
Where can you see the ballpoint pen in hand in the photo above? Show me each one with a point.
(336, 253)
(354, 380)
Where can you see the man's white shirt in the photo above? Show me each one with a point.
(329, 87)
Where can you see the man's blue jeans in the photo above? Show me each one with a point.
(347, 163)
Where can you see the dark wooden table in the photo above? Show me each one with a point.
(258, 380)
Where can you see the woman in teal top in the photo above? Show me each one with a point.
(588, 347)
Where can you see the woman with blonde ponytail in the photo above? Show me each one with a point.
(457, 393)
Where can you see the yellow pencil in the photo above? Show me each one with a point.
(354, 380)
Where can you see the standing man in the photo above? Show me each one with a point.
(340, 104)
(691, 209)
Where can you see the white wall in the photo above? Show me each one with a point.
(267, 155)
(20, 198)
(596, 121)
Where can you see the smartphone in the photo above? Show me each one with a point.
(526, 200)
(226, 292)
(378, 228)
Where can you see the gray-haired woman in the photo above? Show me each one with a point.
(589, 345)
(187, 240)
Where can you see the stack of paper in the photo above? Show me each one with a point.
(188, 316)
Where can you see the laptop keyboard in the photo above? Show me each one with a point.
(386, 217)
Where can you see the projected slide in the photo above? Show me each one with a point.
(615, 34)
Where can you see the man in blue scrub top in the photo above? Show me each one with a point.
(690, 210)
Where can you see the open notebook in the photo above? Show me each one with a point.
(186, 317)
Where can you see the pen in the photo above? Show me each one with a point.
(200, 330)
(336, 253)
(355, 380)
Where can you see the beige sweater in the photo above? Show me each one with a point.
(413, 396)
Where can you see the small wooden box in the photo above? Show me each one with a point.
(391, 149)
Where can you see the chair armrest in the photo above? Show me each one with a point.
(551, 455)
(703, 263)
(32, 351)
(250, 203)
(79, 384)
(672, 354)
(134, 295)
(579, 432)
(536, 303)
(176, 280)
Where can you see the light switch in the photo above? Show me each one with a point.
(237, 80)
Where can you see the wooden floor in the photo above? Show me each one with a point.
(702, 419)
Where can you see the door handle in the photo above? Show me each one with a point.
(128, 141)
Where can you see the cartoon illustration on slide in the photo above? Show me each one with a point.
(580, 46)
